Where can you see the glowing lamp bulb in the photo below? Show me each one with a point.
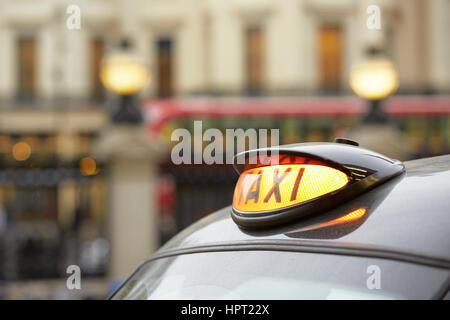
(374, 79)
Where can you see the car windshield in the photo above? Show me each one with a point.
(279, 275)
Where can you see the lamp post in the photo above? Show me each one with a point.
(125, 73)
(375, 79)
(131, 157)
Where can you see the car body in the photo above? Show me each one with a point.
(399, 248)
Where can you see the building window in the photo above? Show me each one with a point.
(254, 56)
(97, 51)
(330, 57)
(165, 67)
(27, 68)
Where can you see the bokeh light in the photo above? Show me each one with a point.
(88, 166)
(21, 151)
(374, 79)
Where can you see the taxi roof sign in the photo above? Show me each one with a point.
(280, 184)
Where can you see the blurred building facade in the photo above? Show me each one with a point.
(212, 46)
(53, 105)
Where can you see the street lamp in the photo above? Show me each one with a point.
(131, 156)
(125, 73)
(374, 79)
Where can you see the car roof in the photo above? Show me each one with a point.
(408, 218)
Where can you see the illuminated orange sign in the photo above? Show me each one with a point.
(276, 187)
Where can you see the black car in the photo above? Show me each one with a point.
(313, 221)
